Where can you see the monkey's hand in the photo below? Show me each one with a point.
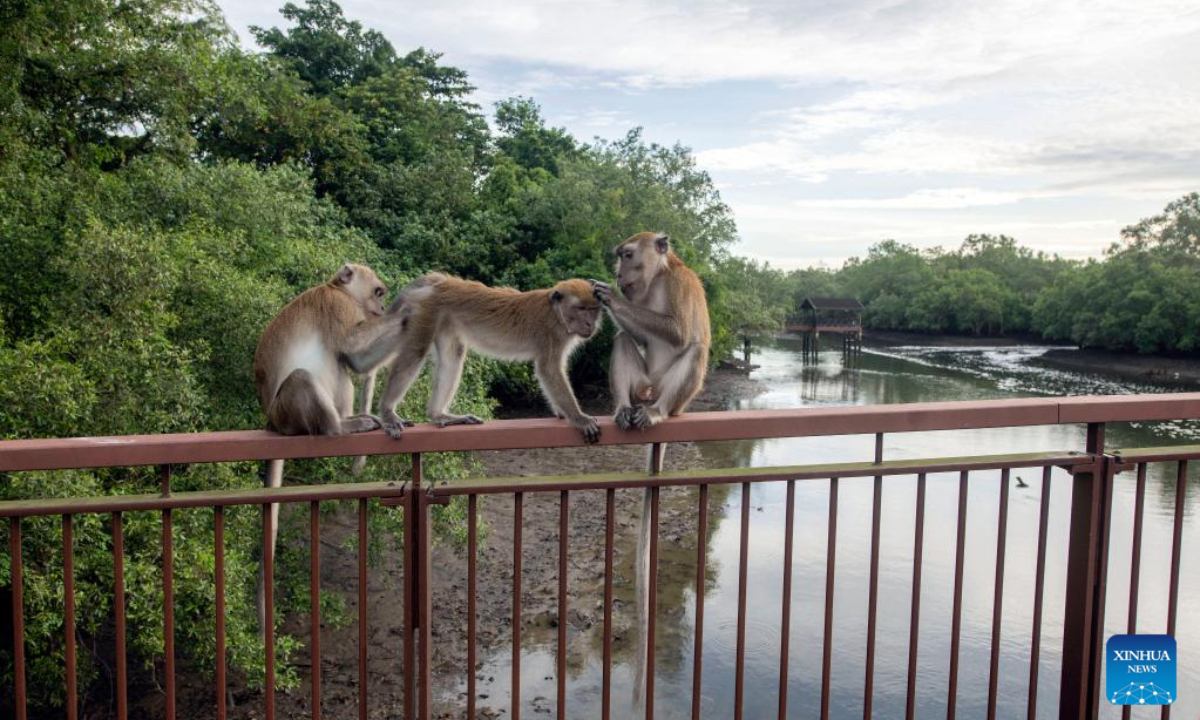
(587, 425)
(642, 417)
(624, 418)
(393, 424)
(602, 292)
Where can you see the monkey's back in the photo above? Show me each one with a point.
(688, 294)
(497, 320)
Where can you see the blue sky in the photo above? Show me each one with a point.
(831, 125)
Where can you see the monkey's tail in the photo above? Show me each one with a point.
(274, 480)
(274, 473)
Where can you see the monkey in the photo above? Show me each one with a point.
(300, 364)
(660, 352)
(449, 315)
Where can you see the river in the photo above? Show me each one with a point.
(897, 375)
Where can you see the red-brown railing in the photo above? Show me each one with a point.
(1091, 468)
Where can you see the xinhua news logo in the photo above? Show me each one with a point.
(1140, 670)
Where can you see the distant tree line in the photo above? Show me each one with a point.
(1142, 296)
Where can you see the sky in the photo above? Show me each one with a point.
(829, 125)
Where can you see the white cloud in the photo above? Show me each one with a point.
(921, 120)
(690, 41)
(927, 199)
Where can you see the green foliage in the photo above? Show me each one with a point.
(163, 193)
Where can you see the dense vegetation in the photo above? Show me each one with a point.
(1143, 296)
(163, 192)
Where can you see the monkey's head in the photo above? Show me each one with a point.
(577, 307)
(639, 260)
(361, 283)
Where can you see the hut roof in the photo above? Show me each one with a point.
(818, 303)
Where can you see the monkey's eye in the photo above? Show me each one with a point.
(379, 292)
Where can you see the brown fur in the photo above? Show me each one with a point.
(447, 316)
(326, 308)
(660, 357)
(520, 312)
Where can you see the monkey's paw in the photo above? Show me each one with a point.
(623, 418)
(394, 425)
(640, 417)
(602, 291)
(365, 422)
(587, 425)
(448, 420)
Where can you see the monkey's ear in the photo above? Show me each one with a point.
(556, 296)
(663, 243)
(344, 275)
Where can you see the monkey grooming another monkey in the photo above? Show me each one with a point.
(449, 316)
(304, 357)
(300, 365)
(660, 354)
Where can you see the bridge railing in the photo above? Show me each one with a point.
(1091, 467)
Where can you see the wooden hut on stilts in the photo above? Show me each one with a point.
(840, 316)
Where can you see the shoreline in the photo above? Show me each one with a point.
(1181, 372)
(892, 338)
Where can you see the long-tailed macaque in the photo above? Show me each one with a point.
(660, 354)
(301, 364)
(449, 316)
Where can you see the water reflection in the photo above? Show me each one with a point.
(892, 376)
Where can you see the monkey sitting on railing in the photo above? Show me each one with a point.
(660, 355)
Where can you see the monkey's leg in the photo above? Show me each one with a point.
(400, 379)
(447, 374)
(350, 424)
(676, 387)
(303, 406)
(364, 408)
(627, 375)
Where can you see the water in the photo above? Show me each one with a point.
(895, 375)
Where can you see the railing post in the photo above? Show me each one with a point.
(417, 589)
(1083, 622)
(417, 625)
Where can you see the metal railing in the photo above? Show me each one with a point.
(1091, 468)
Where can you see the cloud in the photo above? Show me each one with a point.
(928, 199)
(690, 41)
(925, 120)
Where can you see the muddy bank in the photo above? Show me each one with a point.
(893, 338)
(1183, 372)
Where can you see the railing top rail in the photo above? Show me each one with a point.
(246, 445)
